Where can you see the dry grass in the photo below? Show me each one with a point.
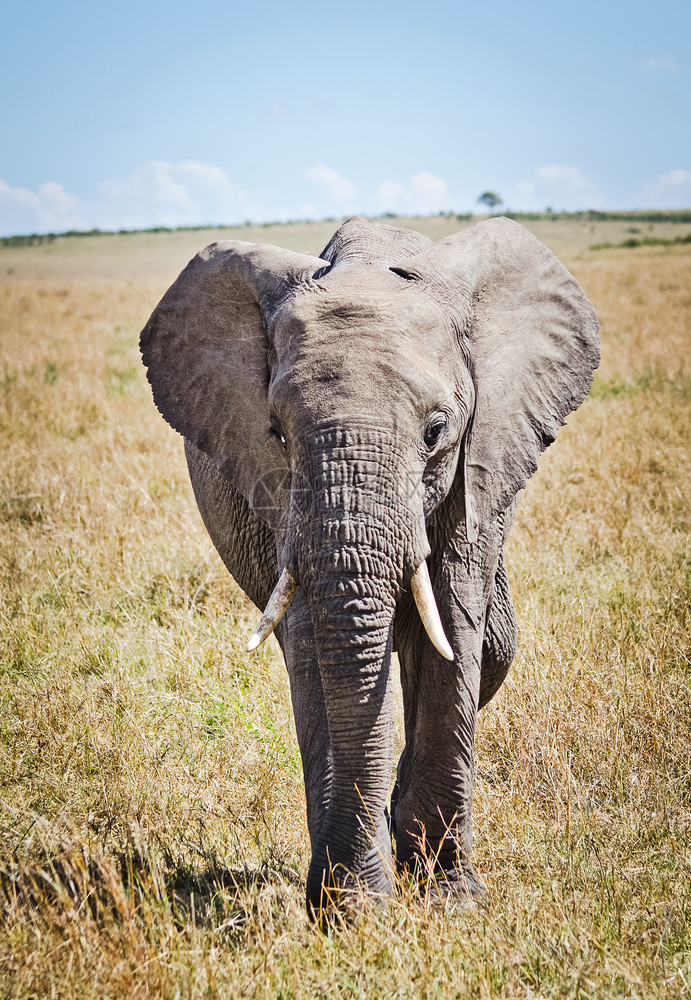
(151, 806)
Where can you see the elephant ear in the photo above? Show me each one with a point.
(205, 348)
(533, 341)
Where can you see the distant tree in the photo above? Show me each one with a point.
(491, 199)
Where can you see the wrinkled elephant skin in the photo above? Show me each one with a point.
(359, 425)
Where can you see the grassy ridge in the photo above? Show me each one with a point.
(645, 241)
(153, 839)
(161, 255)
(591, 215)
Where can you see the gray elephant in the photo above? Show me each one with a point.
(357, 427)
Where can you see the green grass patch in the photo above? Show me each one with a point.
(644, 241)
(647, 381)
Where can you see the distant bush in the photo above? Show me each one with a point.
(82, 232)
(591, 215)
(27, 241)
(645, 241)
(684, 215)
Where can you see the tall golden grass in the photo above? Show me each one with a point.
(153, 842)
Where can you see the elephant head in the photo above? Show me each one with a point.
(375, 408)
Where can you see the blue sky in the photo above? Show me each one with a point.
(139, 114)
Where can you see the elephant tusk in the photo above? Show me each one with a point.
(429, 613)
(279, 602)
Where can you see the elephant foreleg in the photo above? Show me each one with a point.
(432, 799)
(296, 637)
(434, 790)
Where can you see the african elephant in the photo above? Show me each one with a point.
(357, 427)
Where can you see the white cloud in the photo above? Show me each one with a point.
(664, 64)
(174, 194)
(424, 194)
(332, 183)
(675, 177)
(569, 179)
(556, 186)
(670, 190)
(431, 192)
(157, 194)
(390, 196)
(49, 209)
(307, 210)
(55, 199)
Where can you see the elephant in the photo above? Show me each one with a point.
(357, 429)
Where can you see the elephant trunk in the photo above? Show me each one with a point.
(355, 536)
(353, 625)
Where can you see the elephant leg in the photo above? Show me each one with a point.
(501, 632)
(296, 637)
(432, 799)
(434, 790)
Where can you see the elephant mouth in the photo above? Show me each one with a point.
(421, 588)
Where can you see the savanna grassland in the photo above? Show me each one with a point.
(152, 837)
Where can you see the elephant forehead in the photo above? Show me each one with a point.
(371, 306)
(395, 382)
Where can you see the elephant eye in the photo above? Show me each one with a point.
(403, 273)
(434, 430)
(276, 431)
